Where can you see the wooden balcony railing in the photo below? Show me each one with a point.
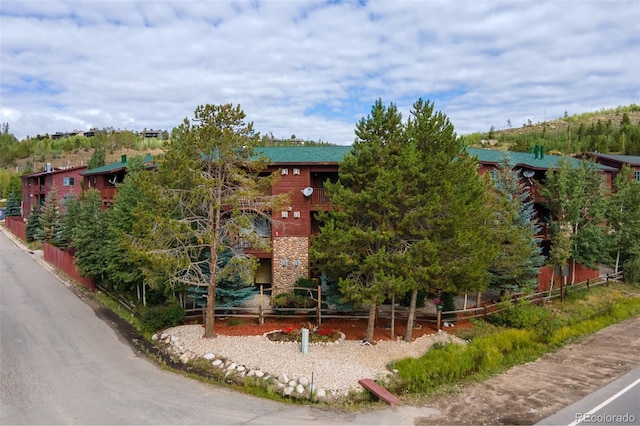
(319, 196)
(108, 193)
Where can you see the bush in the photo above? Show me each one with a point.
(163, 316)
(292, 300)
(631, 270)
(520, 315)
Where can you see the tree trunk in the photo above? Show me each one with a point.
(479, 299)
(209, 320)
(412, 314)
(617, 261)
(371, 325)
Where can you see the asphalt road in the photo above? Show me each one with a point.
(61, 364)
(618, 403)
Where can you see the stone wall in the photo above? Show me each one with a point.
(290, 262)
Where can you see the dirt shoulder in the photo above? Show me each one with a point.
(531, 392)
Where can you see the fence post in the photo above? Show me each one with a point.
(439, 320)
(607, 280)
(260, 312)
(319, 307)
(588, 282)
(485, 312)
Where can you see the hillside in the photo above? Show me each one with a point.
(608, 130)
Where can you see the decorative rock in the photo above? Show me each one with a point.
(287, 391)
(209, 356)
(231, 366)
(292, 383)
(282, 378)
(303, 381)
(217, 363)
(184, 358)
(259, 373)
(154, 337)
(321, 393)
(174, 339)
(251, 373)
(241, 368)
(300, 389)
(164, 336)
(280, 385)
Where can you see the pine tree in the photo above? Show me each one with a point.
(13, 205)
(519, 257)
(50, 216)
(88, 236)
(34, 227)
(211, 189)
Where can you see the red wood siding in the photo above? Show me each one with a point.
(582, 274)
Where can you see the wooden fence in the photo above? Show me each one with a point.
(66, 263)
(16, 225)
(538, 297)
(318, 313)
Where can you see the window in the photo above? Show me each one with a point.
(636, 175)
(296, 171)
(68, 181)
(296, 215)
(285, 172)
(285, 214)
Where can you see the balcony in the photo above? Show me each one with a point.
(319, 196)
(108, 193)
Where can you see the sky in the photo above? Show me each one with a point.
(312, 69)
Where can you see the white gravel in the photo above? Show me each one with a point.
(335, 367)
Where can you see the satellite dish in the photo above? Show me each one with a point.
(307, 191)
(528, 173)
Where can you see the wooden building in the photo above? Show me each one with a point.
(36, 186)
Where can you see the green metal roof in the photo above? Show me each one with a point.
(117, 166)
(107, 168)
(632, 160)
(304, 154)
(525, 159)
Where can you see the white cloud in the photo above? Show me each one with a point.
(312, 69)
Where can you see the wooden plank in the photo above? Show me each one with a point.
(379, 391)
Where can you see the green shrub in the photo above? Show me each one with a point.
(163, 316)
(520, 315)
(292, 300)
(631, 270)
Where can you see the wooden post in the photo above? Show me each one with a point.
(319, 307)
(479, 299)
(588, 282)
(393, 315)
(260, 311)
(439, 320)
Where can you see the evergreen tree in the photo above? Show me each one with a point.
(408, 213)
(33, 225)
(519, 257)
(50, 216)
(88, 236)
(122, 273)
(13, 205)
(356, 245)
(98, 157)
(211, 188)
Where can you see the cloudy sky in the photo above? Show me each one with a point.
(312, 68)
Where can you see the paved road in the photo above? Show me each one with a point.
(60, 364)
(618, 403)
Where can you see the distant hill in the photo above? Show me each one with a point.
(608, 130)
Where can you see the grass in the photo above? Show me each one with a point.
(493, 349)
